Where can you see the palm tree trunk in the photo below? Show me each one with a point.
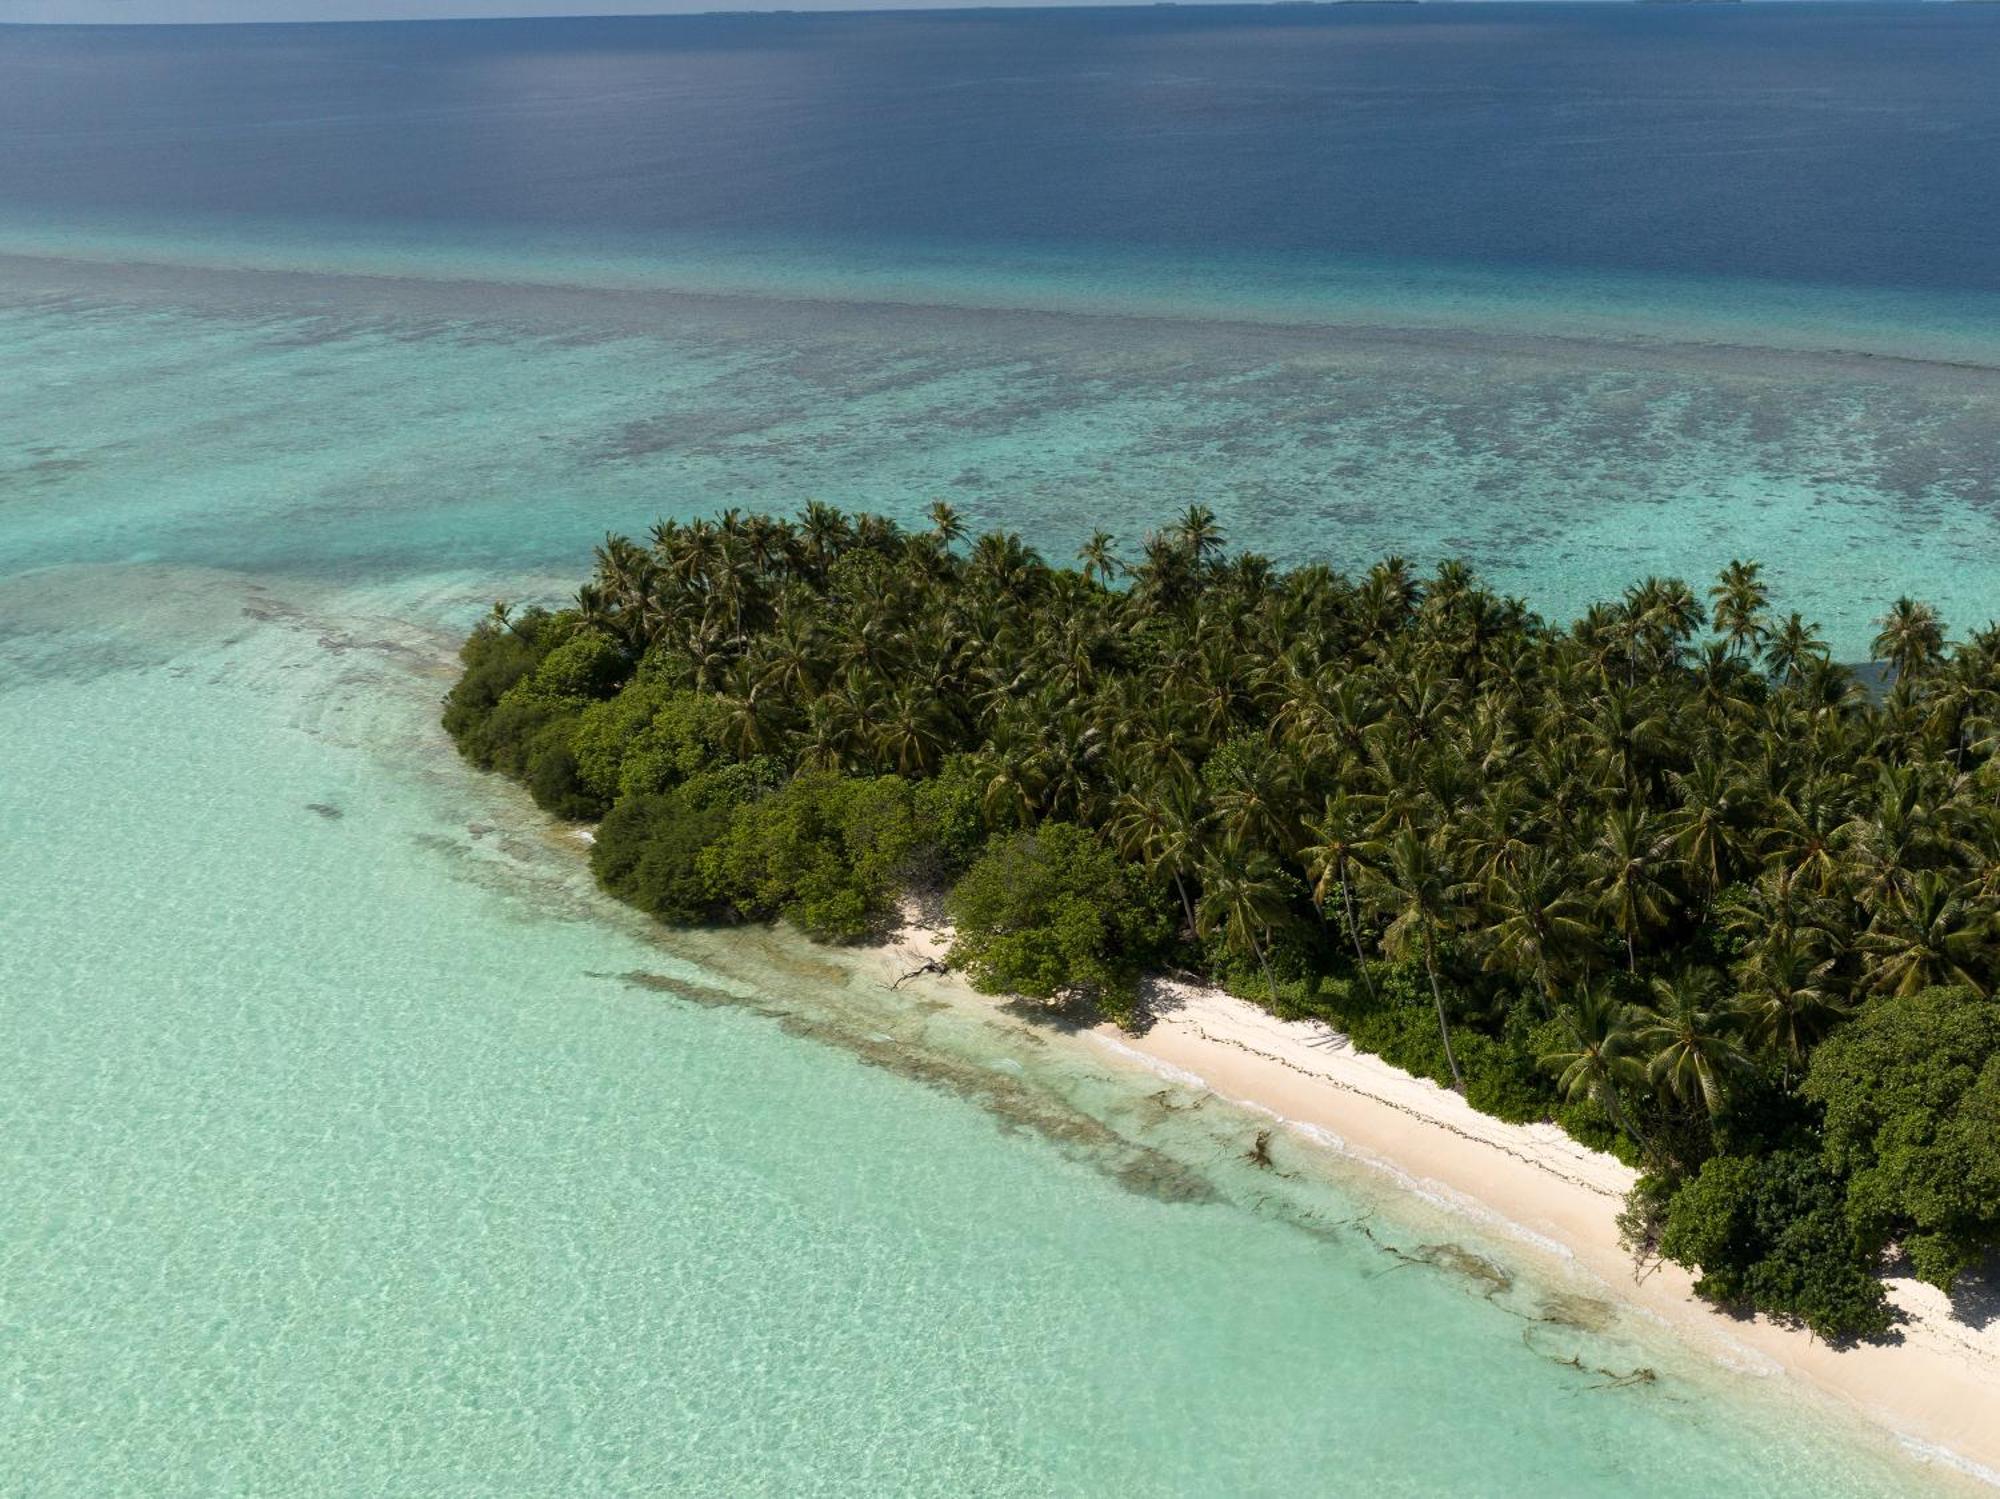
(1545, 990)
(1270, 983)
(1186, 904)
(1444, 1029)
(1354, 933)
(1631, 954)
(1616, 1108)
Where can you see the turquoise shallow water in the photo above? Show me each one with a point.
(353, 1146)
(174, 400)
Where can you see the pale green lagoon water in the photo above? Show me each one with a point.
(352, 1145)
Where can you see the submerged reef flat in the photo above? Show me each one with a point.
(1561, 466)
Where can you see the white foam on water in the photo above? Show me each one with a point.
(1944, 1457)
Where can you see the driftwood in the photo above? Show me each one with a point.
(929, 965)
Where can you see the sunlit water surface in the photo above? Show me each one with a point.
(353, 1145)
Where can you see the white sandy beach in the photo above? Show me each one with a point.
(1938, 1388)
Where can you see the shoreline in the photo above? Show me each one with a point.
(1936, 1390)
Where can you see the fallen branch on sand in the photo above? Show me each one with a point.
(929, 965)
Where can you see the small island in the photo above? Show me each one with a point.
(1667, 876)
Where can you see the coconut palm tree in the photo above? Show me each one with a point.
(1337, 855)
(946, 526)
(1256, 804)
(1389, 598)
(1100, 561)
(825, 532)
(1690, 1033)
(1160, 826)
(913, 732)
(1661, 616)
(1600, 1062)
(1628, 734)
(1245, 901)
(1792, 648)
(596, 610)
(1933, 932)
(1911, 640)
(1892, 837)
(1070, 764)
(1634, 864)
(1005, 564)
(1737, 603)
(1538, 925)
(1011, 788)
(1197, 533)
(1416, 884)
(1790, 991)
(792, 655)
(750, 721)
(1803, 840)
(1709, 826)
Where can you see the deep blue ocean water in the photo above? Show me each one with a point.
(1852, 144)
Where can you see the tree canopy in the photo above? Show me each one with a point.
(1667, 874)
(1055, 913)
(1911, 1090)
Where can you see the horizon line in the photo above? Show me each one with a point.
(985, 7)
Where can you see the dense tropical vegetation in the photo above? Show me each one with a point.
(1669, 875)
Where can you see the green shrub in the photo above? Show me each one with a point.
(1773, 1233)
(548, 767)
(825, 851)
(648, 738)
(500, 741)
(1397, 1022)
(1505, 1082)
(516, 709)
(1585, 1121)
(649, 854)
(735, 784)
(1513, 1085)
(949, 815)
(583, 668)
(1055, 913)
(1911, 1089)
(497, 655)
